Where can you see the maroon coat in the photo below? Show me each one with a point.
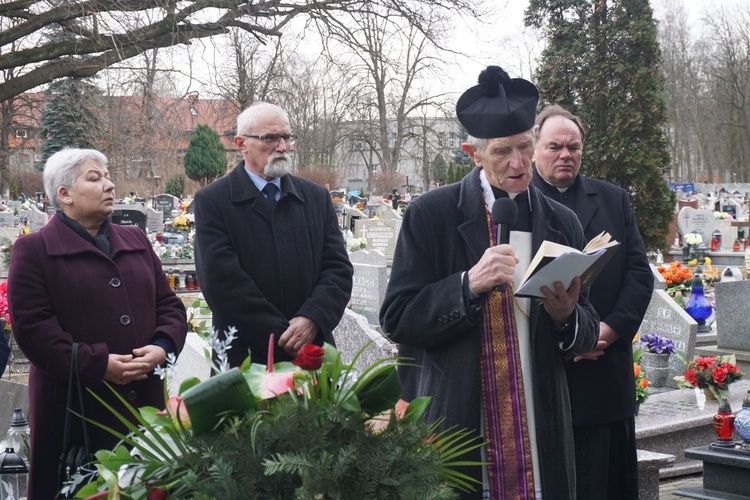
(61, 290)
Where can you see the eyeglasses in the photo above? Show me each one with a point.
(274, 139)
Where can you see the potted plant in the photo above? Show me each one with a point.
(713, 374)
(655, 358)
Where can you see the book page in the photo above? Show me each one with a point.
(602, 240)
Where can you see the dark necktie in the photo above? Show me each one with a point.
(269, 190)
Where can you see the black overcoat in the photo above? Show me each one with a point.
(445, 233)
(62, 289)
(603, 391)
(259, 266)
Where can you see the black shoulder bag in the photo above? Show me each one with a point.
(76, 452)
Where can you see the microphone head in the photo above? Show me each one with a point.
(504, 211)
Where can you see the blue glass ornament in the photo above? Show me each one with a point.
(698, 306)
(742, 421)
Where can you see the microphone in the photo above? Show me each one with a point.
(504, 213)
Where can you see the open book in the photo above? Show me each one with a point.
(556, 262)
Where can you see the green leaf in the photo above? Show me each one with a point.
(225, 394)
(188, 383)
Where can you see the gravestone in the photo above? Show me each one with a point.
(369, 283)
(380, 234)
(732, 320)
(700, 221)
(166, 203)
(659, 282)
(665, 317)
(728, 234)
(154, 221)
(386, 212)
(350, 216)
(192, 361)
(353, 333)
(338, 208)
(372, 205)
(37, 219)
(190, 206)
(130, 215)
(7, 219)
(12, 395)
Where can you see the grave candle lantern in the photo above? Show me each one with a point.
(724, 425)
(698, 306)
(742, 421)
(13, 475)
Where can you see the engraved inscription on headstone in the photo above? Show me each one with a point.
(166, 203)
(380, 234)
(701, 221)
(130, 215)
(369, 283)
(154, 221)
(665, 317)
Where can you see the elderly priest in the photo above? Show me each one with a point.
(492, 362)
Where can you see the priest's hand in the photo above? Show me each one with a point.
(496, 267)
(561, 303)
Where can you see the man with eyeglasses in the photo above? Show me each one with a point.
(269, 253)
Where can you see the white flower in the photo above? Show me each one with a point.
(693, 239)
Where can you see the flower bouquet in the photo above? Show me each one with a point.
(657, 344)
(641, 383)
(183, 222)
(354, 244)
(306, 429)
(714, 373)
(678, 279)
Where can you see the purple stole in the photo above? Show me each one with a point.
(509, 469)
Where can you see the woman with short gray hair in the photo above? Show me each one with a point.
(82, 282)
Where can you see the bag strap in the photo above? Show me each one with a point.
(74, 384)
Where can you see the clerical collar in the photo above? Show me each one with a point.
(491, 192)
(559, 189)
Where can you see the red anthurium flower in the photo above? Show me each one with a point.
(156, 494)
(310, 357)
(272, 384)
(176, 409)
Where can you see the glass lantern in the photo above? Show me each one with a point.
(14, 476)
(742, 422)
(698, 306)
(18, 434)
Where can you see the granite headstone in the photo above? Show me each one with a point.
(7, 219)
(154, 221)
(353, 333)
(369, 283)
(380, 234)
(166, 203)
(130, 215)
(665, 317)
(36, 219)
(700, 221)
(732, 320)
(350, 216)
(387, 212)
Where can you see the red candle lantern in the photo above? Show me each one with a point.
(724, 425)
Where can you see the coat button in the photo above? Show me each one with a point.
(445, 318)
(125, 320)
(115, 282)
(131, 396)
(440, 322)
